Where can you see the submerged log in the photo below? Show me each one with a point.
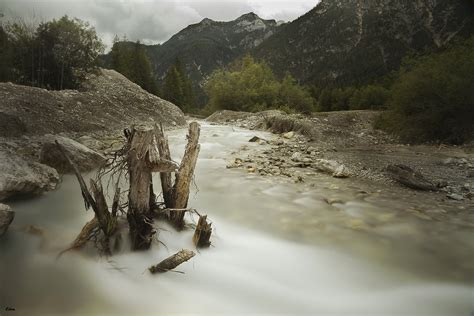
(172, 262)
(185, 175)
(203, 232)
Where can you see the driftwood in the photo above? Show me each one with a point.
(172, 262)
(96, 200)
(165, 177)
(410, 178)
(185, 175)
(203, 232)
(141, 230)
(146, 151)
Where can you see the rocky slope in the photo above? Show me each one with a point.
(107, 101)
(354, 41)
(31, 119)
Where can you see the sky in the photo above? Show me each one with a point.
(151, 21)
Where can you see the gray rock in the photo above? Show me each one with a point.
(6, 218)
(254, 139)
(410, 178)
(336, 169)
(85, 158)
(296, 157)
(91, 143)
(19, 177)
(289, 135)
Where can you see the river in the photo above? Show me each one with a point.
(278, 248)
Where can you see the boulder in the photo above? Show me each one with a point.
(289, 135)
(6, 218)
(19, 177)
(332, 167)
(410, 178)
(85, 158)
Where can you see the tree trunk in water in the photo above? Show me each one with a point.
(203, 232)
(166, 181)
(185, 175)
(138, 215)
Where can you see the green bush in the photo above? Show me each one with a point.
(251, 86)
(433, 98)
(370, 97)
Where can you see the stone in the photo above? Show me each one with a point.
(91, 142)
(254, 139)
(6, 218)
(296, 157)
(85, 158)
(19, 177)
(332, 167)
(289, 135)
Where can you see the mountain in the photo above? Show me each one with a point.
(355, 41)
(209, 44)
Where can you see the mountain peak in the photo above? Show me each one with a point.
(206, 21)
(251, 16)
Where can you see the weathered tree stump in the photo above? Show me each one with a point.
(203, 232)
(165, 177)
(141, 229)
(172, 262)
(185, 175)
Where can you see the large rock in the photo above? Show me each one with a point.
(85, 158)
(332, 167)
(6, 218)
(19, 177)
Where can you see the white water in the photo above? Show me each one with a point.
(278, 249)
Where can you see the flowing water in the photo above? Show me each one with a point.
(278, 248)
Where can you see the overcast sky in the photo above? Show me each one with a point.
(152, 21)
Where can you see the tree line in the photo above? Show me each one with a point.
(132, 61)
(54, 55)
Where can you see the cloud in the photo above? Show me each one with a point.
(151, 21)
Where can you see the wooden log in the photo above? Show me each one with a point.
(106, 222)
(185, 175)
(166, 180)
(141, 230)
(202, 234)
(172, 262)
(88, 200)
(84, 236)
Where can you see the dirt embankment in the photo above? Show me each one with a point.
(327, 141)
(105, 102)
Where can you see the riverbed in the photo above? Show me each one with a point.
(278, 247)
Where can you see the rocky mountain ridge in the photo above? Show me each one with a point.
(355, 41)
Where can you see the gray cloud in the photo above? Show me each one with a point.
(151, 21)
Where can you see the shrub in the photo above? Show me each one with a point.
(433, 98)
(251, 86)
